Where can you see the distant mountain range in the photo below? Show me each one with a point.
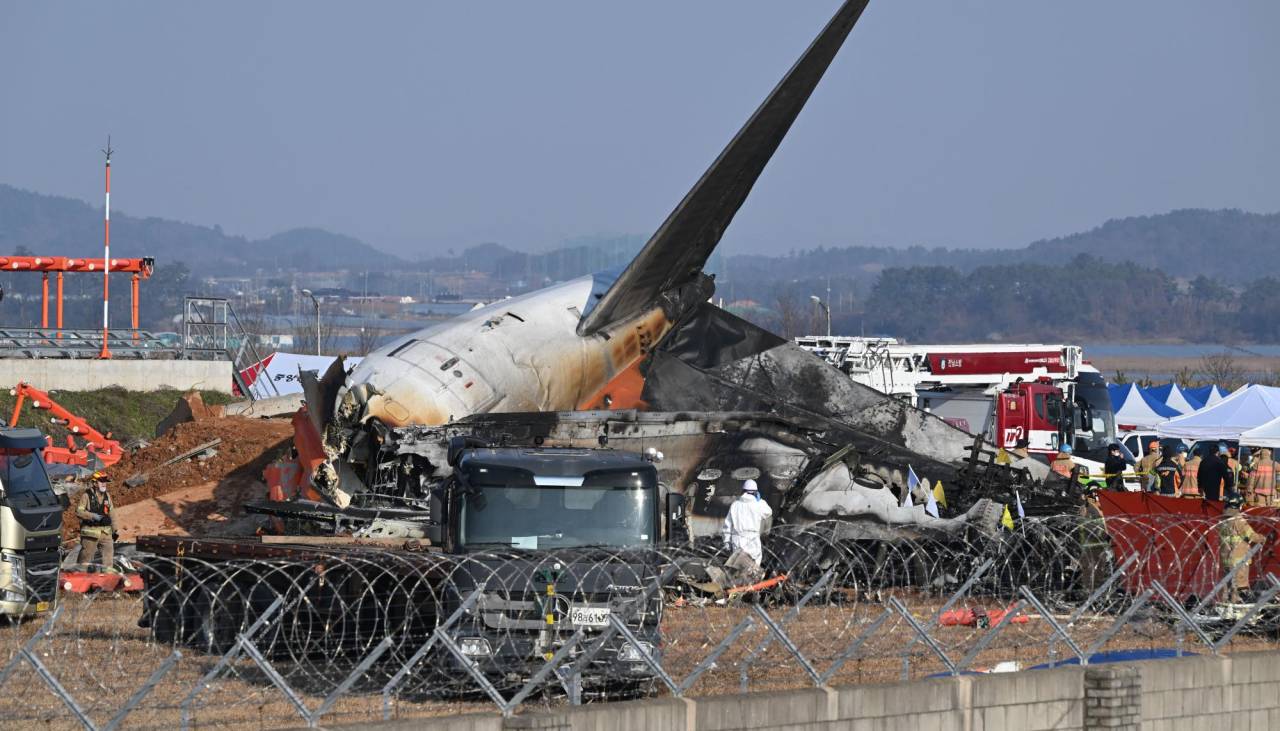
(1227, 245)
(52, 225)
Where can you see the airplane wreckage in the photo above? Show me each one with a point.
(478, 434)
(642, 360)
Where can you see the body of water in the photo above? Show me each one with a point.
(1181, 350)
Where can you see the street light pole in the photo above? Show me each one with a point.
(315, 302)
(825, 308)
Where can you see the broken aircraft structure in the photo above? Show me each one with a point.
(642, 359)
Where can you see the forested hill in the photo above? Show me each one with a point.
(57, 226)
(1230, 245)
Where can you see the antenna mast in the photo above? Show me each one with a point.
(106, 253)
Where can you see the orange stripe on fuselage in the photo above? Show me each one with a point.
(623, 391)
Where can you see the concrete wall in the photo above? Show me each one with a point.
(1240, 692)
(69, 374)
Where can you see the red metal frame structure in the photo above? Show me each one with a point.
(97, 444)
(138, 268)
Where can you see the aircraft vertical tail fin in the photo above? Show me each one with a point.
(678, 250)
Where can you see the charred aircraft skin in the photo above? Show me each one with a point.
(809, 470)
(648, 339)
(556, 348)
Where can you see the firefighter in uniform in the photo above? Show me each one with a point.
(1259, 487)
(1062, 463)
(1180, 459)
(97, 523)
(1169, 476)
(1147, 467)
(1094, 541)
(1234, 538)
(1236, 468)
(1190, 477)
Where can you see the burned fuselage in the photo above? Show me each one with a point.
(809, 471)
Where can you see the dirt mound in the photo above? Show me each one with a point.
(233, 475)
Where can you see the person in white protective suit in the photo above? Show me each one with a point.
(744, 522)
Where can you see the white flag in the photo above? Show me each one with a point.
(912, 482)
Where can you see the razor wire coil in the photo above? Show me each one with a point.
(365, 633)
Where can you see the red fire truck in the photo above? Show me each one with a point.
(1037, 396)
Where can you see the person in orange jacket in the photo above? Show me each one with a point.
(1259, 486)
(1062, 463)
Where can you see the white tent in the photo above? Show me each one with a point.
(1229, 418)
(1139, 409)
(1267, 435)
(1173, 396)
(1208, 395)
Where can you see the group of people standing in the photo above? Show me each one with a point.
(1216, 475)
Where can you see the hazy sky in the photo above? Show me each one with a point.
(423, 125)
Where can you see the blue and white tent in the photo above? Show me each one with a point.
(1207, 395)
(1175, 397)
(1136, 408)
(1243, 410)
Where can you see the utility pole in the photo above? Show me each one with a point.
(315, 302)
(106, 255)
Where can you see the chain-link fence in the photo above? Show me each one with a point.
(363, 633)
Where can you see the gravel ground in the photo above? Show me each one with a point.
(101, 657)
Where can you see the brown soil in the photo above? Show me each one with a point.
(223, 481)
(209, 509)
(100, 656)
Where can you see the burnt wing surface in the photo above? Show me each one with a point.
(715, 361)
(675, 254)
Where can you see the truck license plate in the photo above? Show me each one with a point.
(589, 616)
(42, 606)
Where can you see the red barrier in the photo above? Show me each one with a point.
(1176, 541)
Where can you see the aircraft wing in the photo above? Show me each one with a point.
(679, 249)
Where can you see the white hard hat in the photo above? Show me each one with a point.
(750, 486)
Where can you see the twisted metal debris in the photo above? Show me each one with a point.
(373, 634)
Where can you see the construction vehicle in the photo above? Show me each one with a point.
(1034, 397)
(529, 528)
(30, 525)
(85, 445)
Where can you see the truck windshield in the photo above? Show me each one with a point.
(23, 472)
(539, 516)
(1101, 429)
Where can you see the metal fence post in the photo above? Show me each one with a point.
(394, 683)
(227, 658)
(791, 614)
